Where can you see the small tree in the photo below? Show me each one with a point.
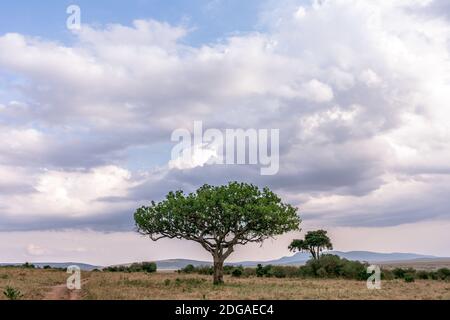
(218, 218)
(315, 242)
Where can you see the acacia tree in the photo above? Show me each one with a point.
(218, 218)
(314, 242)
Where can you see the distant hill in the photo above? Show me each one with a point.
(297, 259)
(300, 258)
(63, 265)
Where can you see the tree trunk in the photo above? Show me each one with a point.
(218, 270)
(313, 253)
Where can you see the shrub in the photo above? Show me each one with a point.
(259, 271)
(12, 293)
(279, 272)
(135, 267)
(332, 266)
(354, 270)
(443, 274)
(387, 275)
(205, 270)
(422, 275)
(27, 265)
(250, 272)
(400, 273)
(188, 269)
(228, 269)
(409, 277)
(149, 267)
(237, 272)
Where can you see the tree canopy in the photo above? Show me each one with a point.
(218, 218)
(315, 242)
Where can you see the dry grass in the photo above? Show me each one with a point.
(35, 284)
(425, 264)
(119, 286)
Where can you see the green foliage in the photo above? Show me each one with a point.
(237, 272)
(443, 274)
(259, 271)
(27, 265)
(315, 242)
(327, 266)
(410, 274)
(148, 267)
(423, 275)
(188, 269)
(332, 266)
(218, 218)
(400, 273)
(409, 277)
(12, 293)
(237, 209)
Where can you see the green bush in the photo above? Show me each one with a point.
(237, 272)
(250, 272)
(259, 271)
(27, 265)
(12, 293)
(188, 269)
(279, 271)
(400, 273)
(332, 266)
(205, 270)
(149, 267)
(409, 277)
(135, 267)
(423, 275)
(443, 274)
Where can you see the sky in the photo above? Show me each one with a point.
(358, 89)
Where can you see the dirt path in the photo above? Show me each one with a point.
(60, 292)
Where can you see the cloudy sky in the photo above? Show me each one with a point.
(360, 91)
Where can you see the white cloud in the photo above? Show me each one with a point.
(316, 91)
(35, 250)
(359, 90)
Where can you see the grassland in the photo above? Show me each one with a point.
(419, 264)
(34, 284)
(38, 284)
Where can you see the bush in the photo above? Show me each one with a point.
(409, 277)
(205, 270)
(27, 265)
(188, 269)
(250, 272)
(259, 271)
(237, 272)
(279, 271)
(400, 273)
(149, 267)
(423, 275)
(443, 274)
(387, 275)
(135, 267)
(12, 293)
(332, 266)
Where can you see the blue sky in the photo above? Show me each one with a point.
(211, 19)
(358, 90)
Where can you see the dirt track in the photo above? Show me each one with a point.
(60, 292)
